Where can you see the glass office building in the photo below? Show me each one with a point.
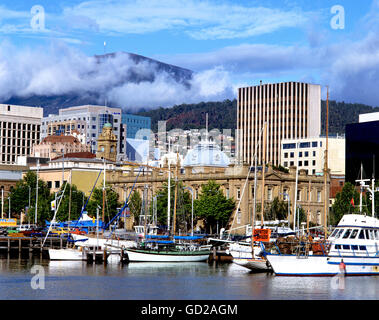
(134, 123)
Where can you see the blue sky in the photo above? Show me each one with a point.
(237, 42)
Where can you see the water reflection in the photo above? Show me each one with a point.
(169, 281)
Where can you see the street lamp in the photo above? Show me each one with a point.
(191, 190)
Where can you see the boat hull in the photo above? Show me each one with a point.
(103, 243)
(252, 264)
(67, 254)
(166, 256)
(292, 265)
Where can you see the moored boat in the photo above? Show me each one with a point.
(355, 242)
(168, 251)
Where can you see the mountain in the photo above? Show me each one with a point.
(128, 67)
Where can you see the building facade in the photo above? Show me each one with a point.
(54, 146)
(20, 128)
(89, 120)
(309, 154)
(135, 123)
(292, 110)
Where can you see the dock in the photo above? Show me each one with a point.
(32, 245)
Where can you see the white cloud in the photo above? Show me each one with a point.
(62, 70)
(200, 19)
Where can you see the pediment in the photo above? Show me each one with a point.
(273, 176)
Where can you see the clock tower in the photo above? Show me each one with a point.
(107, 144)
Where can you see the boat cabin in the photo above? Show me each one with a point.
(355, 235)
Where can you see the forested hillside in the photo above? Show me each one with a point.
(222, 115)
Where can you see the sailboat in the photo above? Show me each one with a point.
(166, 248)
(249, 254)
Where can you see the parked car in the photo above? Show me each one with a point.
(59, 231)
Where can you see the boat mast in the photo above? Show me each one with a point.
(326, 166)
(168, 190)
(263, 171)
(176, 194)
(35, 215)
(309, 205)
(103, 213)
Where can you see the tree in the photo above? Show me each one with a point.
(183, 205)
(19, 199)
(213, 206)
(278, 210)
(135, 205)
(111, 203)
(343, 204)
(64, 210)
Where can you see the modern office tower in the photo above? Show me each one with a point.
(292, 110)
(309, 154)
(19, 129)
(135, 123)
(88, 120)
(137, 142)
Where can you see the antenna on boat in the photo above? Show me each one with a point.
(263, 171)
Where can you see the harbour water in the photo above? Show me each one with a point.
(70, 280)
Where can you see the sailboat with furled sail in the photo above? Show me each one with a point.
(169, 248)
(249, 254)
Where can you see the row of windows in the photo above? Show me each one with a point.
(300, 163)
(369, 234)
(19, 126)
(348, 247)
(301, 145)
(292, 154)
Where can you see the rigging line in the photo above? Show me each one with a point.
(81, 213)
(126, 203)
(55, 214)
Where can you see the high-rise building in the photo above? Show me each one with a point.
(19, 129)
(292, 110)
(135, 123)
(137, 129)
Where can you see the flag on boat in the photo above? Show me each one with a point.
(352, 202)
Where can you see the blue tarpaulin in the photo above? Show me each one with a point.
(187, 237)
(153, 236)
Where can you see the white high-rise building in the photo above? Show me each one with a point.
(292, 110)
(19, 129)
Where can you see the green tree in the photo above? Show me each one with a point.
(277, 210)
(183, 205)
(77, 197)
(135, 205)
(19, 199)
(213, 206)
(111, 203)
(343, 205)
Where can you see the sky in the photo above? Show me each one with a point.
(46, 47)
